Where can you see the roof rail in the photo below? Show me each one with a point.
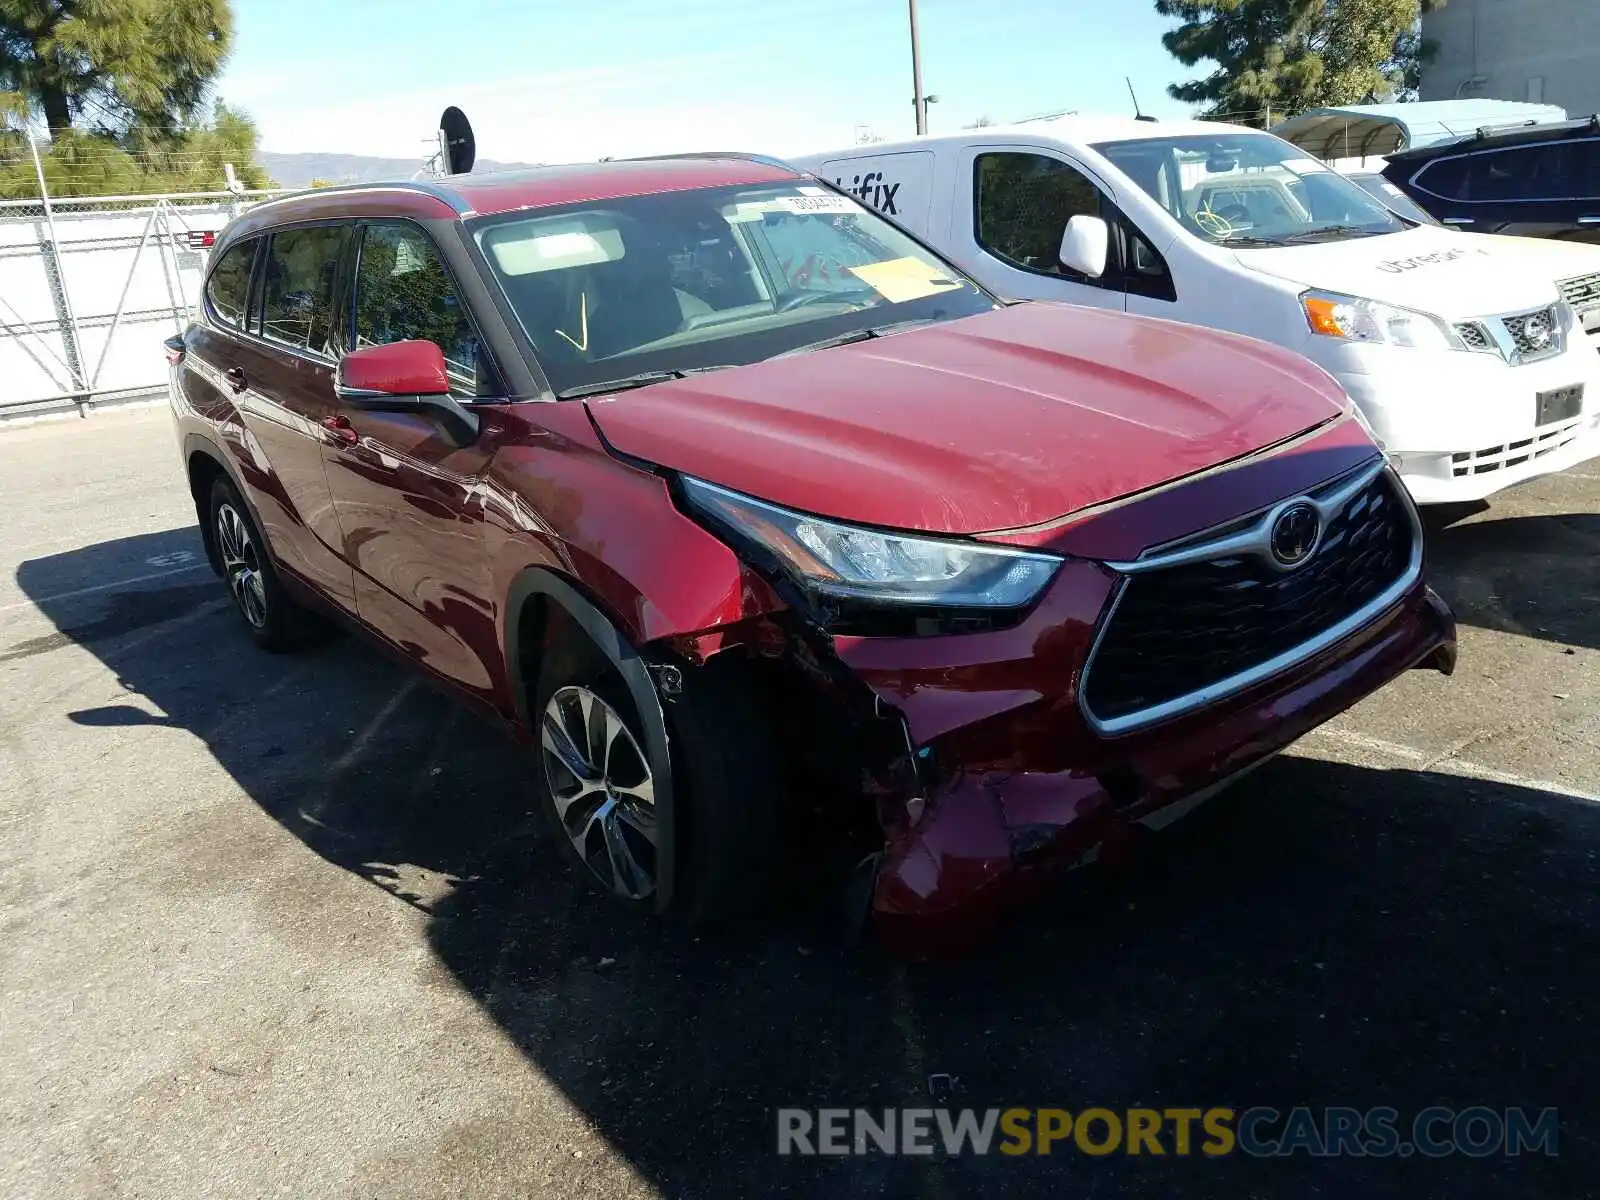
(765, 160)
(421, 186)
(1506, 126)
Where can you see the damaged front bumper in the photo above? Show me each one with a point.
(987, 779)
(996, 826)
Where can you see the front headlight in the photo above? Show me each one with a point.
(852, 566)
(1353, 319)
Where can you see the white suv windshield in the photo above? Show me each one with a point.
(684, 281)
(1249, 189)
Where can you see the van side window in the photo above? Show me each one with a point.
(404, 293)
(298, 280)
(228, 287)
(1023, 203)
(1146, 272)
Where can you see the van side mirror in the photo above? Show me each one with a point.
(1085, 245)
(403, 377)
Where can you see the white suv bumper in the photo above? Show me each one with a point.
(1462, 426)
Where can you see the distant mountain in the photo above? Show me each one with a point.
(298, 170)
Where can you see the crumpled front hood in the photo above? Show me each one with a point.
(1428, 269)
(1010, 418)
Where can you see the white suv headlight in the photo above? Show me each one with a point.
(1353, 319)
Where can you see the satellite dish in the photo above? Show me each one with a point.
(456, 142)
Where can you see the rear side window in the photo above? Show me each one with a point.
(404, 293)
(1023, 203)
(228, 287)
(1534, 173)
(299, 276)
(1586, 169)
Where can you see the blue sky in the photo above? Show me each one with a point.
(563, 80)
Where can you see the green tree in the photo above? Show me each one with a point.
(107, 65)
(1276, 58)
(190, 159)
(122, 87)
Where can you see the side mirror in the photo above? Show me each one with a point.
(386, 372)
(403, 377)
(1085, 246)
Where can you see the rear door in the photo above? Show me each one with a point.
(407, 495)
(283, 380)
(262, 398)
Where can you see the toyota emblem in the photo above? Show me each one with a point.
(1295, 533)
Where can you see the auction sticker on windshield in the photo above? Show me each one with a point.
(902, 279)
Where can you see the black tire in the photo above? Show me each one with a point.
(726, 785)
(274, 622)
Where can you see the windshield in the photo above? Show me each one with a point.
(684, 281)
(1386, 193)
(1249, 189)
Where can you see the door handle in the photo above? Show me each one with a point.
(1589, 220)
(343, 432)
(236, 379)
(1459, 220)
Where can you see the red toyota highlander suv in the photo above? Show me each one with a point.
(722, 490)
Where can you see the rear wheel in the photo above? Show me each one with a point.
(607, 800)
(272, 619)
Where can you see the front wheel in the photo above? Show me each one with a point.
(606, 799)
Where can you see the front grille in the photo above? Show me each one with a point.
(1520, 338)
(1583, 293)
(1184, 629)
(1475, 336)
(1514, 454)
(1535, 335)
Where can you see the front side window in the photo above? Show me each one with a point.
(403, 292)
(228, 287)
(1445, 178)
(299, 276)
(709, 277)
(1023, 203)
(1249, 189)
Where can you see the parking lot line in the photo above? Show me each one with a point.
(1449, 765)
(101, 587)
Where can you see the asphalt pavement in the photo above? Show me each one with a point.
(287, 925)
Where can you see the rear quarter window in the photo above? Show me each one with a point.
(228, 286)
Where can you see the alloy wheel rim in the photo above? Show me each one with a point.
(241, 565)
(603, 790)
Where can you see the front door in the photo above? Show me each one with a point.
(407, 495)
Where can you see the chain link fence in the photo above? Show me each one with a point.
(89, 287)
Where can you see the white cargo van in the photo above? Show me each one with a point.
(1459, 349)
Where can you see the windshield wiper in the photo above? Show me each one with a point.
(1330, 232)
(642, 379)
(856, 335)
(1249, 239)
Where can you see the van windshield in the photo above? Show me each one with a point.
(691, 280)
(1250, 189)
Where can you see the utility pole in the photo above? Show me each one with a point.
(918, 100)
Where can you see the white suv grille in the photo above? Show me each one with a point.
(1518, 338)
(1583, 293)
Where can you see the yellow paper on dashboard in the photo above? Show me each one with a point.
(902, 279)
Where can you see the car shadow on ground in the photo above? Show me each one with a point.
(1321, 935)
(1535, 576)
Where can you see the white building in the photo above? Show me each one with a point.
(1545, 51)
